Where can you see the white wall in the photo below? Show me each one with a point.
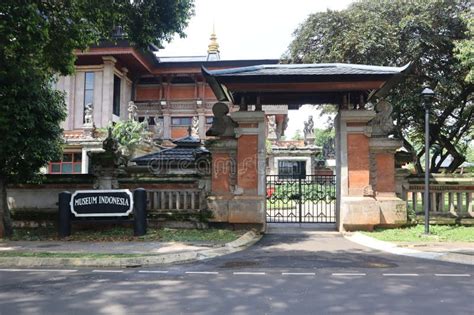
(73, 86)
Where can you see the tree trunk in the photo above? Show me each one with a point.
(6, 228)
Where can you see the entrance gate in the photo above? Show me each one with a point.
(307, 199)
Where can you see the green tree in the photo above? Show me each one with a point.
(465, 48)
(322, 136)
(393, 33)
(37, 42)
(298, 135)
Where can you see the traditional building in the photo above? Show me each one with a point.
(114, 81)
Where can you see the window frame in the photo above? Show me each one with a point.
(86, 90)
(295, 171)
(73, 163)
(117, 91)
(181, 124)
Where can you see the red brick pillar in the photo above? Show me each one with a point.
(248, 204)
(392, 208)
(357, 207)
(223, 176)
(366, 174)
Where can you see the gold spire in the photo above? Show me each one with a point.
(213, 46)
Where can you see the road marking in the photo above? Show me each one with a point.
(202, 272)
(452, 275)
(355, 274)
(298, 273)
(152, 271)
(248, 273)
(108, 271)
(401, 274)
(39, 270)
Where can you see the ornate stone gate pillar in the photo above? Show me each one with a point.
(248, 205)
(365, 173)
(238, 167)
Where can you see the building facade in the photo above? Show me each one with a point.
(114, 81)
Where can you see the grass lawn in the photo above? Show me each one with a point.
(124, 234)
(438, 233)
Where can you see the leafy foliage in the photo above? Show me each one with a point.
(37, 41)
(393, 33)
(298, 135)
(322, 136)
(465, 48)
(129, 134)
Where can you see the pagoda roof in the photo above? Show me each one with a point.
(308, 71)
(187, 149)
(301, 83)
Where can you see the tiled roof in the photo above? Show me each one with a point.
(324, 69)
(187, 149)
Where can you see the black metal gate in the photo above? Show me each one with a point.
(308, 199)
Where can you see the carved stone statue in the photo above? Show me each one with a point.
(308, 127)
(272, 126)
(382, 124)
(195, 127)
(222, 125)
(159, 127)
(132, 111)
(329, 151)
(110, 144)
(308, 131)
(89, 115)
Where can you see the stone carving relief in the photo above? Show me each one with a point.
(329, 149)
(159, 128)
(132, 111)
(308, 131)
(89, 115)
(89, 127)
(272, 127)
(222, 125)
(195, 127)
(382, 124)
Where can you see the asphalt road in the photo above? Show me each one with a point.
(303, 273)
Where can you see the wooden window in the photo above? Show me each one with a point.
(116, 100)
(181, 121)
(88, 89)
(292, 169)
(70, 163)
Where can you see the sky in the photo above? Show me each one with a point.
(250, 29)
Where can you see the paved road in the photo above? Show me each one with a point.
(285, 273)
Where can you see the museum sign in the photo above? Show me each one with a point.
(102, 203)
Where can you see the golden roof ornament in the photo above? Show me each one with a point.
(213, 47)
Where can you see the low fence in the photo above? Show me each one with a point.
(448, 195)
(167, 200)
(185, 193)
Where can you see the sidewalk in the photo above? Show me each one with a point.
(114, 254)
(456, 252)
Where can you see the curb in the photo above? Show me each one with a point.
(243, 242)
(392, 248)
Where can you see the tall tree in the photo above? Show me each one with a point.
(37, 42)
(393, 33)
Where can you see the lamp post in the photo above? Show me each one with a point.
(427, 94)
